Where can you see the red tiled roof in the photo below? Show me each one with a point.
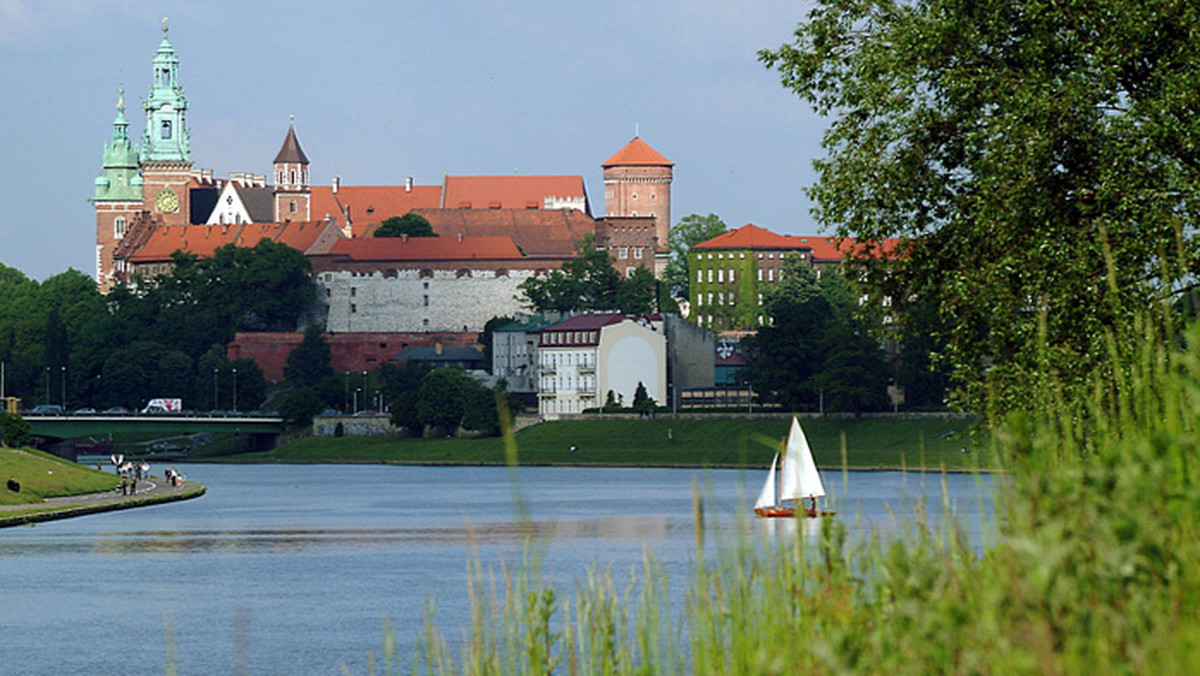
(592, 320)
(538, 232)
(370, 204)
(510, 192)
(638, 152)
(204, 240)
(426, 248)
(751, 236)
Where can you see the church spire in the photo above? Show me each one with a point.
(166, 137)
(119, 180)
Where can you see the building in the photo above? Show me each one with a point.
(730, 272)
(514, 352)
(583, 358)
(637, 184)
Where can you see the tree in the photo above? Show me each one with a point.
(589, 282)
(440, 400)
(300, 406)
(1037, 162)
(410, 224)
(14, 430)
(688, 232)
(788, 352)
(309, 363)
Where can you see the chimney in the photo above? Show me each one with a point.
(408, 184)
(460, 238)
(337, 183)
(404, 237)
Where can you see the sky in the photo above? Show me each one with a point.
(383, 90)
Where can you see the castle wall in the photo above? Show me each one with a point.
(418, 300)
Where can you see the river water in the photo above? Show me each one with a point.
(293, 569)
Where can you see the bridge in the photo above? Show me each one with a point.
(52, 432)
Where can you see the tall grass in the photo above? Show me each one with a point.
(1093, 570)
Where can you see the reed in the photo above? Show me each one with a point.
(1091, 571)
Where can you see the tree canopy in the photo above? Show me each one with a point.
(590, 282)
(1038, 163)
(688, 232)
(410, 224)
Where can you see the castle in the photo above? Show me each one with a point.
(494, 231)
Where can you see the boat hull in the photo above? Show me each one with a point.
(776, 512)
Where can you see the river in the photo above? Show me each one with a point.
(293, 569)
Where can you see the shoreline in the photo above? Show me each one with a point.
(481, 463)
(54, 509)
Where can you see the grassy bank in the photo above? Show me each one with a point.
(45, 476)
(870, 443)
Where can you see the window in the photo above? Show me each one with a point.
(328, 292)
(699, 276)
(353, 308)
(760, 274)
(279, 177)
(119, 227)
(425, 285)
(771, 275)
(425, 322)
(637, 252)
(292, 207)
(710, 275)
(633, 196)
(760, 299)
(164, 77)
(292, 176)
(623, 252)
(720, 298)
(698, 301)
(425, 300)
(353, 291)
(629, 271)
(741, 254)
(720, 255)
(710, 298)
(166, 129)
(731, 274)
(721, 275)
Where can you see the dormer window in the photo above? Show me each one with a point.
(166, 130)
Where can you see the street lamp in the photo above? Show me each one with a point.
(235, 390)
(216, 397)
(356, 391)
(64, 388)
(47, 384)
(346, 394)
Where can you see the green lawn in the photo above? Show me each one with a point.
(45, 476)
(870, 443)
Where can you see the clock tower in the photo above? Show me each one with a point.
(166, 155)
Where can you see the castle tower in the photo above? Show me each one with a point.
(118, 195)
(166, 155)
(292, 196)
(637, 182)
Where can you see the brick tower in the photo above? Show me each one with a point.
(292, 196)
(118, 195)
(637, 182)
(166, 157)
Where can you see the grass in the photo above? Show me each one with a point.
(42, 475)
(1094, 570)
(870, 443)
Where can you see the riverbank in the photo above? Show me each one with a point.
(51, 488)
(869, 443)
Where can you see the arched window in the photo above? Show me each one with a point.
(166, 129)
(293, 177)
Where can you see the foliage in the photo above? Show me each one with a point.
(640, 397)
(817, 345)
(688, 232)
(14, 430)
(300, 406)
(408, 225)
(440, 401)
(401, 387)
(309, 363)
(251, 384)
(589, 282)
(1034, 160)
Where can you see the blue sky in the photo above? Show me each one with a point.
(385, 90)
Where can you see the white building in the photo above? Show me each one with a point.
(582, 359)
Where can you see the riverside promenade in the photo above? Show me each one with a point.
(152, 490)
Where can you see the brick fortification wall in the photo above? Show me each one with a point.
(353, 352)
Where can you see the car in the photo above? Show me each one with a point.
(116, 410)
(47, 409)
(87, 410)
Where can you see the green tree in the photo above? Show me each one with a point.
(688, 232)
(310, 362)
(410, 224)
(440, 400)
(589, 282)
(485, 338)
(251, 384)
(1037, 163)
(14, 430)
(300, 406)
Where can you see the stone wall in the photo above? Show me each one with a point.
(418, 300)
(354, 426)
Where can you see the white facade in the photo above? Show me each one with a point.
(514, 358)
(418, 300)
(615, 357)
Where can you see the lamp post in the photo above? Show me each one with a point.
(216, 397)
(64, 388)
(235, 390)
(346, 394)
(356, 391)
(47, 384)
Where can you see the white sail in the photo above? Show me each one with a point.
(766, 497)
(799, 478)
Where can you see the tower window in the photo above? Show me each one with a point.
(166, 129)
(119, 227)
(293, 177)
(292, 207)
(164, 77)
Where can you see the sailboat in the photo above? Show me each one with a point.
(798, 481)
